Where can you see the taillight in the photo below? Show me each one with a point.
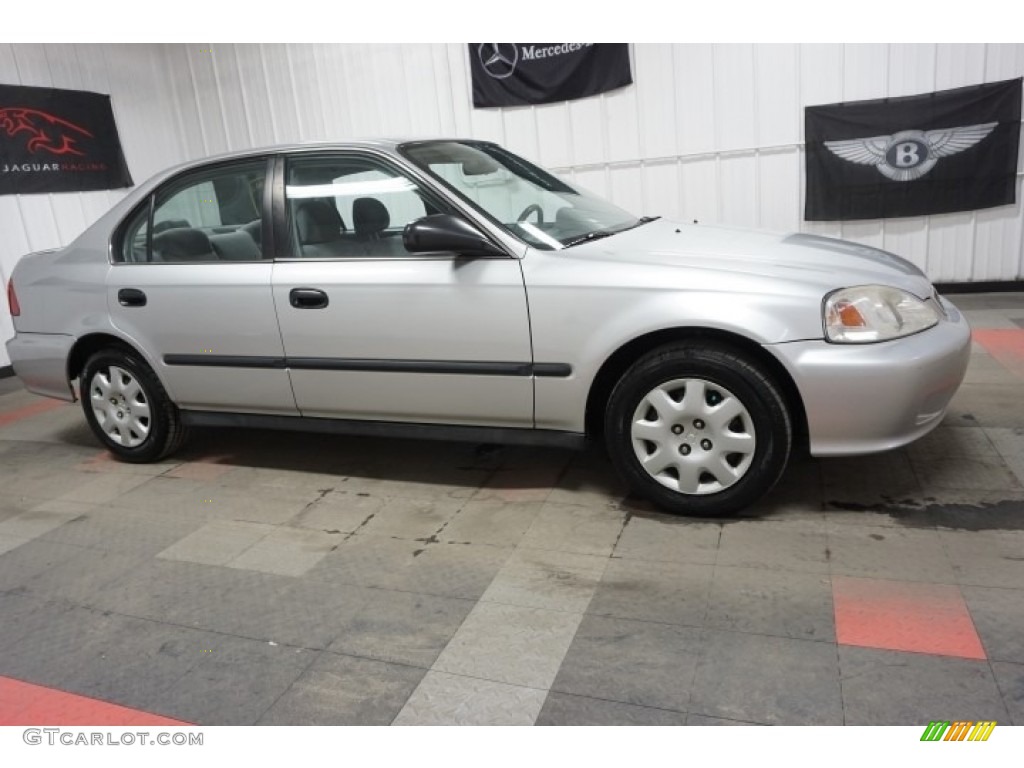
(12, 299)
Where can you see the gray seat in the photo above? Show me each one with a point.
(236, 246)
(319, 227)
(182, 245)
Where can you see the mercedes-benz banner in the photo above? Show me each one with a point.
(514, 74)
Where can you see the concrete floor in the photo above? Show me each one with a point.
(278, 578)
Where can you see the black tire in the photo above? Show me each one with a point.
(144, 438)
(720, 377)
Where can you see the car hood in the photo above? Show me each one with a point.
(821, 264)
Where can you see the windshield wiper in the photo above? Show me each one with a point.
(599, 233)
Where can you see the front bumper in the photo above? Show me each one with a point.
(866, 398)
(40, 360)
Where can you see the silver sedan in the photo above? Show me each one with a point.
(452, 289)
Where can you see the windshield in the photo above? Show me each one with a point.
(529, 202)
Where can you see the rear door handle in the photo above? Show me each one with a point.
(308, 298)
(131, 297)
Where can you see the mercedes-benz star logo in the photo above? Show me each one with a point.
(909, 155)
(498, 59)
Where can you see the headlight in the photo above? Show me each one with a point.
(875, 313)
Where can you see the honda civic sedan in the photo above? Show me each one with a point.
(452, 289)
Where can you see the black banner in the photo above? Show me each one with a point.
(941, 152)
(513, 74)
(58, 141)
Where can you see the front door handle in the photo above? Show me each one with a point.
(131, 297)
(308, 298)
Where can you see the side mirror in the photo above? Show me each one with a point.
(444, 232)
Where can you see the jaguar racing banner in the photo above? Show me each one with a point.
(54, 140)
(940, 152)
(513, 74)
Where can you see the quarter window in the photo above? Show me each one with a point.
(211, 216)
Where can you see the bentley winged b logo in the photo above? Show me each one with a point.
(909, 155)
(44, 131)
(499, 60)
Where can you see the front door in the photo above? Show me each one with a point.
(374, 332)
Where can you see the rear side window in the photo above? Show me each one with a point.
(210, 216)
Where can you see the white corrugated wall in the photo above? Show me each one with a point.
(707, 132)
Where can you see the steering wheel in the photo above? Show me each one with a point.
(532, 208)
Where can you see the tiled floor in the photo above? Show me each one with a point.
(277, 578)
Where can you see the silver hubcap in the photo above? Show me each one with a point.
(693, 436)
(120, 406)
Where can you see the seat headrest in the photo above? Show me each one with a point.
(317, 222)
(369, 216)
(163, 226)
(183, 245)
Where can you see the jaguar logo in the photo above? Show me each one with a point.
(42, 130)
(499, 60)
(909, 155)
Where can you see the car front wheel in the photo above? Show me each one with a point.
(127, 407)
(698, 430)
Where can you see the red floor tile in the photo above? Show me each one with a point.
(25, 412)
(26, 704)
(904, 616)
(1004, 344)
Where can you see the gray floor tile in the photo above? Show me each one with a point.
(634, 662)
(19, 565)
(401, 627)
(342, 690)
(444, 699)
(339, 512)
(412, 518)
(541, 578)
(235, 681)
(510, 644)
(986, 558)
(83, 574)
(895, 688)
(493, 522)
(997, 615)
(217, 543)
(975, 473)
(791, 546)
(772, 602)
(863, 481)
(584, 530)
(136, 663)
(767, 680)
(122, 530)
(287, 551)
(653, 591)
(902, 554)
(1010, 678)
(668, 538)
(704, 720)
(452, 570)
(566, 709)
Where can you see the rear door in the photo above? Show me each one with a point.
(191, 285)
(374, 332)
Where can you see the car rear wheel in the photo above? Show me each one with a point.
(698, 430)
(127, 407)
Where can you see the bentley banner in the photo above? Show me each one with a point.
(58, 141)
(513, 74)
(936, 153)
